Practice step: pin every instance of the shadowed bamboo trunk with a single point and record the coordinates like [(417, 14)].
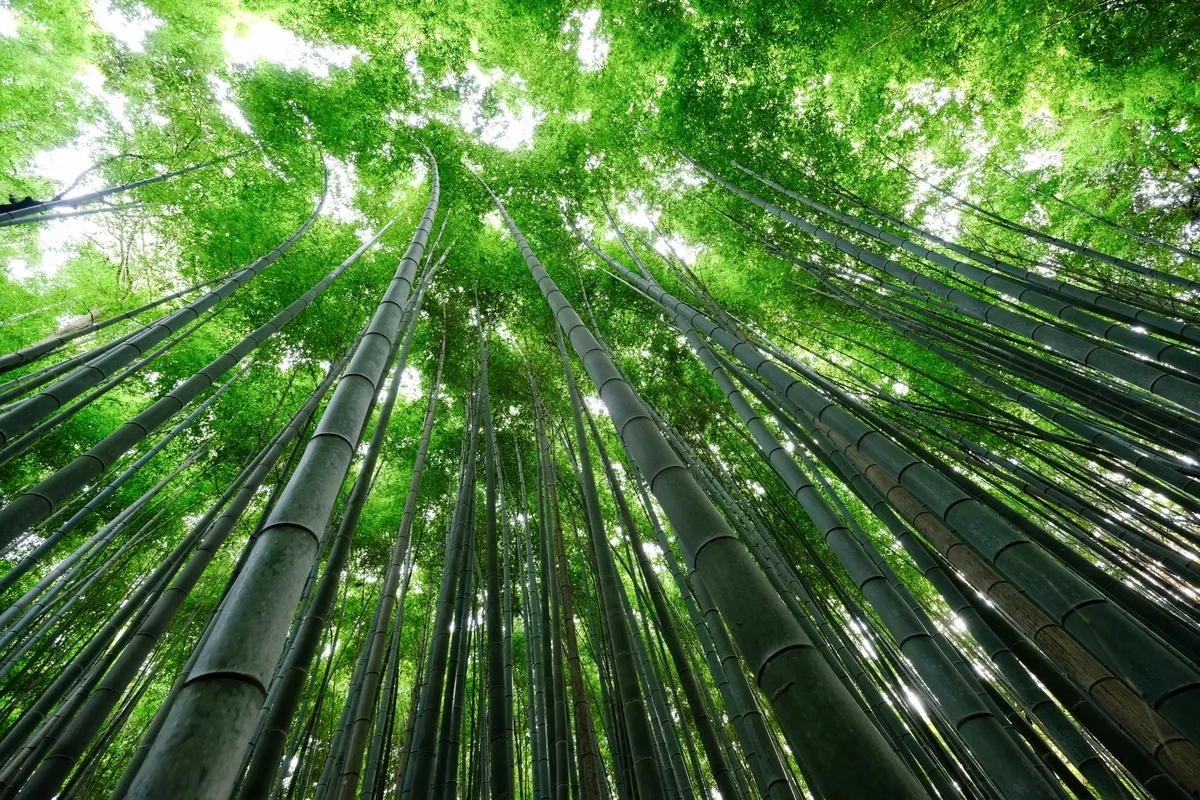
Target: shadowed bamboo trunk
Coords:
[(531, 615), (954, 514), (86, 723), (1006, 764), (549, 622), (760, 753), (498, 758), (419, 773), (645, 763), (32, 506), (35, 352), (1136, 341), (103, 368), (21, 444), (36, 554), (826, 729), (272, 735), (1104, 258), (365, 713), (220, 704), (445, 772), (700, 714)]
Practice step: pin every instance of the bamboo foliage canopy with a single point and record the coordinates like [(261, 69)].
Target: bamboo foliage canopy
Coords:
[(599, 402)]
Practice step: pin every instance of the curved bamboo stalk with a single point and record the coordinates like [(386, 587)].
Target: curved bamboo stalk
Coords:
[(806, 695), (1138, 342), (1104, 258), (644, 762), (722, 774), (949, 514), (229, 682), (103, 368), (1069, 345), (35, 352), (10, 217), (30, 507), (71, 743), (361, 722), (20, 445)]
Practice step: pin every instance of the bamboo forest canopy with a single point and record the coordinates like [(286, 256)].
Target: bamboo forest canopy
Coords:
[(599, 401)]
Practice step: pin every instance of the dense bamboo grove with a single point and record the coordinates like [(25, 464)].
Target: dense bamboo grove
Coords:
[(658, 400)]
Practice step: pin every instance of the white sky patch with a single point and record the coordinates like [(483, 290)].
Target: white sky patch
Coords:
[(112, 235), (678, 178), (63, 165), (1190, 232), (929, 96), (1036, 216), (1042, 118), (511, 132), (249, 39), (918, 102), (580, 116), (221, 90), (58, 241), (687, 253), (1160, 193), (8, 21), (1034, 160), (343, 186), (112, 102), (583, 223), (493, 220), (941, 216), (596, 406), (506, 335), (413, 64), (290, 359), (512, 126), (802, 98), (635, 212), (592, 49), (18, 269), (63, 320), (410, 385), (129, 27), (420, 170)]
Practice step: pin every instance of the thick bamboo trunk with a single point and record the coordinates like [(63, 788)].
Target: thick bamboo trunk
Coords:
[(803, 691), (1086, 612), (106, 366), (699, 709), (32, 506), (646, 765), (220, 704), (498, 758), (80, 731)]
